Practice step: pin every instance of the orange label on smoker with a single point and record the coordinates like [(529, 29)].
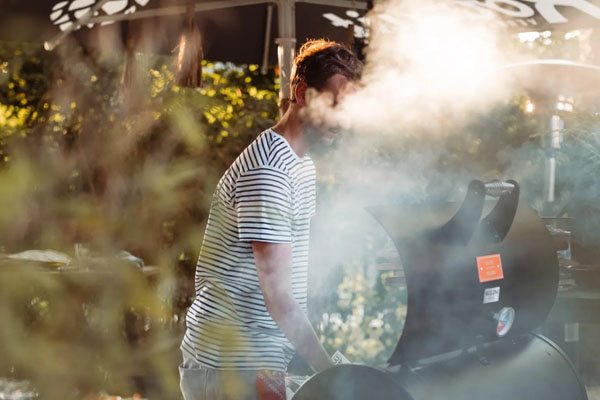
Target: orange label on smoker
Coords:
[(489, 268)]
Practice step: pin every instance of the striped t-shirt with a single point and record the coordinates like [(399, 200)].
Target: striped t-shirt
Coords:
[(267, 195)]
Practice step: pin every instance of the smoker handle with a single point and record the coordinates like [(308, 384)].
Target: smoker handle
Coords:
[(498, 188), (495, 226)]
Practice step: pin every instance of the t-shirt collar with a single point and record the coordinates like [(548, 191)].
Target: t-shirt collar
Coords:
[(297, 157)]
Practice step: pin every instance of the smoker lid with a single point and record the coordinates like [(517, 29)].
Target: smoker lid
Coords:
[(462, 270)]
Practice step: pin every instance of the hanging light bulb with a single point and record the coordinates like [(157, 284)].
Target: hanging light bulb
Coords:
[(529, 107)]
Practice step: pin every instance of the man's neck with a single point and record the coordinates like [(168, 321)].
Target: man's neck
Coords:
[(290, 127)]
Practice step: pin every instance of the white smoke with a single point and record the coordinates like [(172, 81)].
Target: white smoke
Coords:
[(430, 67), (426, 61)]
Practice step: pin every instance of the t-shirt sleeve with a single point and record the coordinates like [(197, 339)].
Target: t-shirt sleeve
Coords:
[(264, 206)]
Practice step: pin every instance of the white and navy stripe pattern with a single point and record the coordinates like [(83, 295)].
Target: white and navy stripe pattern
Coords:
[(267, 195)]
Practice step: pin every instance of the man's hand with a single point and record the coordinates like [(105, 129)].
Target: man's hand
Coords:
[(274, 267)]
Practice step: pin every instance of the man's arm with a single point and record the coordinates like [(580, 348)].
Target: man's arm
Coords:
[(274, 267)]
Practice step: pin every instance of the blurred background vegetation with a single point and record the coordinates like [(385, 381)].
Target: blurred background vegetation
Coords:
[(84, 162), (91, 168)]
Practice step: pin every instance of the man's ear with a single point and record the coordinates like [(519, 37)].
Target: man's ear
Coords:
[(300, 93)]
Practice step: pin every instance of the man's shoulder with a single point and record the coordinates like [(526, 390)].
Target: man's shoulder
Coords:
[(259, 156), (267, 151)]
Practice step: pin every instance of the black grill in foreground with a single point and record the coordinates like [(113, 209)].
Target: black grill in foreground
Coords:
[(480, 280)]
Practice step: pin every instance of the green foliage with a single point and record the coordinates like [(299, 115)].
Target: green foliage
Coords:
[(578, 183), (83, 140), (88, 160), (367, 318)]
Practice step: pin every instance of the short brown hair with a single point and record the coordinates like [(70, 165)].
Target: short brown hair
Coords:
[(320, 59)]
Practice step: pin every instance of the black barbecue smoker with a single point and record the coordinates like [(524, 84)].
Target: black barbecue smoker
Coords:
[(480, 280)]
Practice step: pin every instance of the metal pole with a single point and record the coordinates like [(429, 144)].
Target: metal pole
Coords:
[(286, 47), (556, 125), (266, 49)]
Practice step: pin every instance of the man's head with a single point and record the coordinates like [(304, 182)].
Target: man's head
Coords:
[(323, 67), (317, 61)]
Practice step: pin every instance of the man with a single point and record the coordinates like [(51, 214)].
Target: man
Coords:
[(251, 277)]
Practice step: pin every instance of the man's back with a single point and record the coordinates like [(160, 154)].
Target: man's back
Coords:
[(267, 195)]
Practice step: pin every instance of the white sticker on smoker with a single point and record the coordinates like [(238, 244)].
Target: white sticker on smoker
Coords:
[(491, 295)]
